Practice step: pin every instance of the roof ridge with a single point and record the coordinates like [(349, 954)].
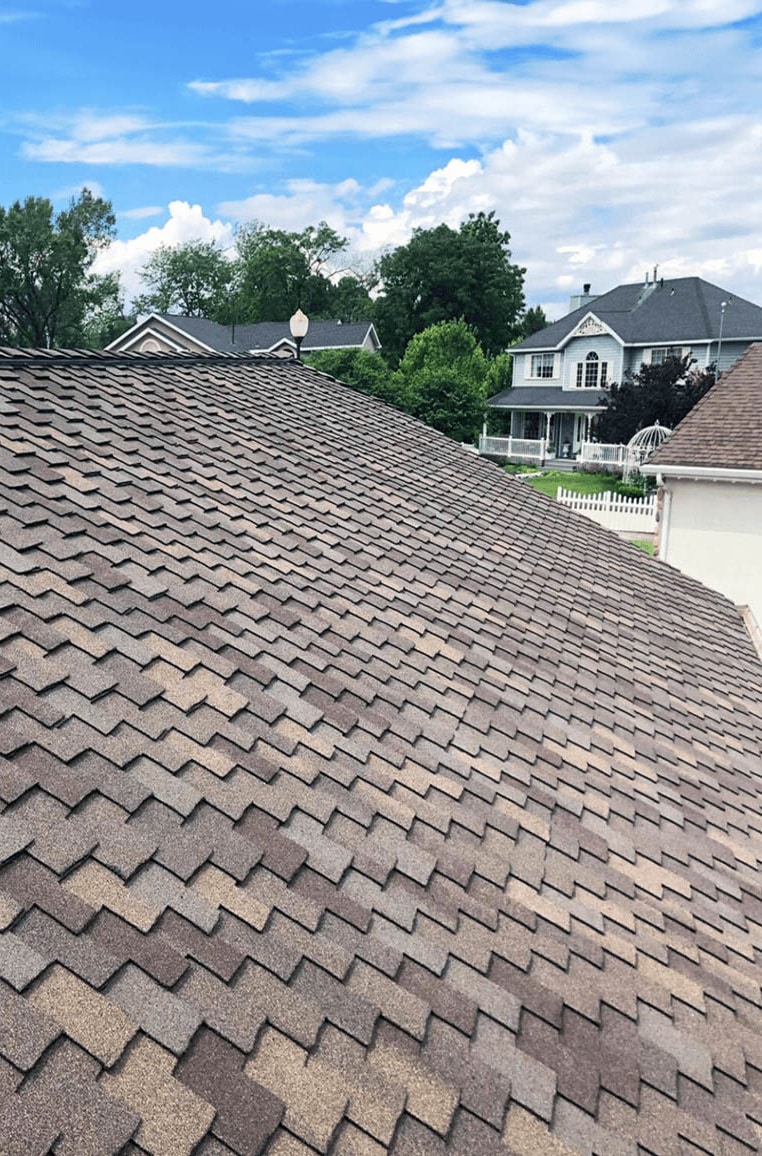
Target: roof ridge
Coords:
[(22, 357)]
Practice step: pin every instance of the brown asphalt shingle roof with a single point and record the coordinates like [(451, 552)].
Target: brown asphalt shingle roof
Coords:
[(725, 429), (355, 797)]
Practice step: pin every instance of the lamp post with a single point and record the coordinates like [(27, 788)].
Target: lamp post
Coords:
[(299, 324), (723, 307)]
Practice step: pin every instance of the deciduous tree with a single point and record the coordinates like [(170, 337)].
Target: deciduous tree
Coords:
[(365, 371), (280, 272), (193, 280), (48, 293), (444, 274), (443, 379), (663, 393)]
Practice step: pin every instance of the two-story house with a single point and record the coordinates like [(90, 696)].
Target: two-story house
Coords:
[(561, 373)]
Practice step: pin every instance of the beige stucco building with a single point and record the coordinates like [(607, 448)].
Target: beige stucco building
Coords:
[(710, 473)]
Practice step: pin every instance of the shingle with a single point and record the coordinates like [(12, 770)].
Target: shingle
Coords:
[(64, 1101), (732, 406), (246, 1113), (168, 1020), (315, 1094), (173, 1119), (19, 964), (373, 802), (25, 1032)]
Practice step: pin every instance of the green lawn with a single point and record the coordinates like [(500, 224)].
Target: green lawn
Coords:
[(581, 483), (646, 547)]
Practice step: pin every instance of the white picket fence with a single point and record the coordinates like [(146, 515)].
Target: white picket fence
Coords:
[(626, 515)]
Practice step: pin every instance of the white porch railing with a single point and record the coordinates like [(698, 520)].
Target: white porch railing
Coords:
[(526, 449), (602, 454), (630, 515)]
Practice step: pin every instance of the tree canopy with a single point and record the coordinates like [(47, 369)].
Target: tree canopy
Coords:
[(443, 377), (48, 293), (663, 393), (280, 272), (444, 274), (271, 274), (363, 370), (194, 280)]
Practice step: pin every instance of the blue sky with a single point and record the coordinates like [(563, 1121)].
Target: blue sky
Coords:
[(607, 137)]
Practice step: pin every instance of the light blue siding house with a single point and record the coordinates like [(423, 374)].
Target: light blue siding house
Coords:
[(561, 373)]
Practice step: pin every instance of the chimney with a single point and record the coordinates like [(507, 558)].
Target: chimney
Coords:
[(584, 298)]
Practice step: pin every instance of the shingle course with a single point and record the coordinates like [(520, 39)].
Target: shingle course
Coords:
[(724, 430), (354, 797)]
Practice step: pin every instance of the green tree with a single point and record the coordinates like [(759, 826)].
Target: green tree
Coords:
[(443, 376), (107, 319), (280, 272), (193, 280), (365, 371), (499, 374), (48, 293), (350, 300), (663, 393), (532, 322), (443, 274)]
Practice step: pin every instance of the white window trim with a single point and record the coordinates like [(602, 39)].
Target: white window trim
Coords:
[(528, 359), (680, 351)]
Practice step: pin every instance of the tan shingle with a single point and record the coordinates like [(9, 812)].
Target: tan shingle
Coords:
[(724, 430), (354, 797)]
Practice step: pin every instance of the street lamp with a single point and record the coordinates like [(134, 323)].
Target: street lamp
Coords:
[(299, 324), (723, 307)]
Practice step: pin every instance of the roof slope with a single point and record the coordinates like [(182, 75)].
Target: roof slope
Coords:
[(542, 396), (725, 429), (681, 309), (265, 334), (356, 797)]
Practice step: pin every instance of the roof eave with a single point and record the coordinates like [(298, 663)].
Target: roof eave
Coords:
[(703, 473)]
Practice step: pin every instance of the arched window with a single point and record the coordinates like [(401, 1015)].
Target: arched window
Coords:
[(592, 373)]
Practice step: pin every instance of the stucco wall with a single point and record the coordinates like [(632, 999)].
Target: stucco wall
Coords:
[(713, 532)]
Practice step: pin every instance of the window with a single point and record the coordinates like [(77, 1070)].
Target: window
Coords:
[(592, 373), (660, 355), (543, 364)]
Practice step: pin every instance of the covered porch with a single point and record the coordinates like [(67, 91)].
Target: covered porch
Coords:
[(542, 423)]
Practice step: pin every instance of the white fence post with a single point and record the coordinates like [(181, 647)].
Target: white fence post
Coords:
[(628, 515)]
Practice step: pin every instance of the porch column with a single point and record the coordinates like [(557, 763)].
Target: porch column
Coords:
[(548, 417)]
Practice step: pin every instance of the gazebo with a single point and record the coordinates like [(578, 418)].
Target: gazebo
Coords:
[(640, 447)]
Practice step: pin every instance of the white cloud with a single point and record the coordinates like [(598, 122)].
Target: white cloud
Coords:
[(607, 137), (185, 223), (580, 211), (93, 138), (140, 213), (73, 191)]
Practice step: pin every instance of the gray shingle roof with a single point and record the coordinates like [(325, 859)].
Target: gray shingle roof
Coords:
[(679, 310), (355, 797), (725, 429), (265, 334), (546, 397)]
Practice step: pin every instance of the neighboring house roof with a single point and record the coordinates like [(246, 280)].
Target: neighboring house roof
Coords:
[(357, 798), (675, 311), (265, 335), (724, 430), (547, 397)]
